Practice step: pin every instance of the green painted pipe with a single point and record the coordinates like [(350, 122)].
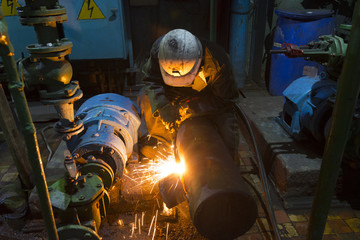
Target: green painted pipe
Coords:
[(213, 20), (346, 98), (16, 88)]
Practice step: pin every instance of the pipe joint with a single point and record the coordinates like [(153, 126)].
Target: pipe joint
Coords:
[(18, 87)]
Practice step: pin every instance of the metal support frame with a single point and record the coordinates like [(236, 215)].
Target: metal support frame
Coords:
[(347, 96), (16, 88)]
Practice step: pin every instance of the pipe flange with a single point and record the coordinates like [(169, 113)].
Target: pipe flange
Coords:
[(68, 95), (55, 56), (43, 15), (59, 46), (100, 168), (27, 12), (69, 130), (42, 20), (77, 232)]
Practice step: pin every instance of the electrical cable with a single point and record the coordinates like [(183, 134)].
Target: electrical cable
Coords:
[(260, 165), (46, 143)]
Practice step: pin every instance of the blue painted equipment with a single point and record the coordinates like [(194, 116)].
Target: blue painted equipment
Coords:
[(297, 28), (102, 38), (306, 107), (110, 122), (238, 38), (98, 155), (309, 101)]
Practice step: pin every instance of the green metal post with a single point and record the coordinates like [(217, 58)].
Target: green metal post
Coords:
[(347, 95), (16, 88), (14, 142), (213, 19)]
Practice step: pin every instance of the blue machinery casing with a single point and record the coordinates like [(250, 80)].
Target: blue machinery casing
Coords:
[(111, 122), (307, 108), (93, 38), (98, 154)]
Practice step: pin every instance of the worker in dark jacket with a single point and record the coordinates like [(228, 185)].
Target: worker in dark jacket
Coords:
[(187, 78)]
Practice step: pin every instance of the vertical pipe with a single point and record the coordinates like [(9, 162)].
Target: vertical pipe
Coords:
[(257, 40), (16, 88), (213, 20), (347, 96), (238, 38)]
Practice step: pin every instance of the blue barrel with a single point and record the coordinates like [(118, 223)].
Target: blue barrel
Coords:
[(299, 28)]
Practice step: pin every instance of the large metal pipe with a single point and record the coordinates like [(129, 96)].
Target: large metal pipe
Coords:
[(220, 204), (16, 88), (347, 96)]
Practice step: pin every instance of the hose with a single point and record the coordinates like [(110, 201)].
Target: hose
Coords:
[(260, 165)]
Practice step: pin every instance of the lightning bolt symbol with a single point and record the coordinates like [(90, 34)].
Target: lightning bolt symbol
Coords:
[(10, 3), (90, 8)]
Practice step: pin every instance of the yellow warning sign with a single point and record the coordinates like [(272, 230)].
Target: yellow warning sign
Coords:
[(90, 10), (9, 7)]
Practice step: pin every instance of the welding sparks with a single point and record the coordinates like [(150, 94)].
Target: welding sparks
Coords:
[(155, 170), (142, 218), (132, 229), (156, 216), (166, 211), (139, 226), (167, 230), (120, 222), (152, 221)]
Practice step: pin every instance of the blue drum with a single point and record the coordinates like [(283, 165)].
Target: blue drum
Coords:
[(298, 28)]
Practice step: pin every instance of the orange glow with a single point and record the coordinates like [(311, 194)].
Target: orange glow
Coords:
[(3, 40), (166, 168), (63, 79), (167, 211), (150, 173)]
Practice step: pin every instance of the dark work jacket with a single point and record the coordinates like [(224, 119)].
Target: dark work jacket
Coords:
[(218, 96)]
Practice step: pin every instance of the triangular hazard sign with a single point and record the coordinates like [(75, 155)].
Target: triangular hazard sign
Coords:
[(9, 7), (90, 10)]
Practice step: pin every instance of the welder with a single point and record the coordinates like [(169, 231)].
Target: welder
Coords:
[(186, 77), (188, 102)]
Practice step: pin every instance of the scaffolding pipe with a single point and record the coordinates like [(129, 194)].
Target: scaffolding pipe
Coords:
[(347, 96), (14, 142), (16, 88)]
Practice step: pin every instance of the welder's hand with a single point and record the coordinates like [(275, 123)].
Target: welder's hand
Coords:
[(168, 115)]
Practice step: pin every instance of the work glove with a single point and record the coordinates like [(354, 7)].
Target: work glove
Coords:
[(169, 114)]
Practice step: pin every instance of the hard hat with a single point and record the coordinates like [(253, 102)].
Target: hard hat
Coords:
[(180, 54)]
